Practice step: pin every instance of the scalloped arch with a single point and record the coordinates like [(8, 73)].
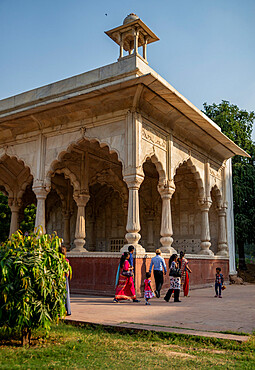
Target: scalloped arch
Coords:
[(7, 188), (194, 170), (217, 192), (20, 159), (68, 175), (102, 143), (159, 167), (24, 186), (60, 194)]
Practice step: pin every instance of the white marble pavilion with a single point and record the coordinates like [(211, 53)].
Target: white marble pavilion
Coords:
[(116, 156)]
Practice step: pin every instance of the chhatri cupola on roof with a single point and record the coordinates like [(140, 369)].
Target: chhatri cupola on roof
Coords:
[(132, 34)]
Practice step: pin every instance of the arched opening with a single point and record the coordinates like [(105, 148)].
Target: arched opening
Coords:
[(186, 214), (28, 210), (5, 215), (150, 207), (105, 219), (213, 218), (89, 168), (15, 179)]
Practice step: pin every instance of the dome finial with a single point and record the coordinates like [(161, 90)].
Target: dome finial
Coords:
[(130, 18)]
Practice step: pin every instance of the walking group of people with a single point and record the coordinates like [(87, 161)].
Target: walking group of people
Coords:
[(178, 272), (179, 269)]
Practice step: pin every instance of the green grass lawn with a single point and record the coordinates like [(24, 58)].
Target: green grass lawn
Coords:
[(85, 347)]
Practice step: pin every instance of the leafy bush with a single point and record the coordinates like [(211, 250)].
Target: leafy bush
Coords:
[(33, 283)]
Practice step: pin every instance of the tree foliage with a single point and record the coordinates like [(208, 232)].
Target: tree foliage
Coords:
[(237, 124), (28, 222), (26, 225), (32, 282), (5, 218)]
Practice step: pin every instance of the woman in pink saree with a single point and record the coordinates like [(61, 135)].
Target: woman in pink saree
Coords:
[(125, 288), (185, 270)]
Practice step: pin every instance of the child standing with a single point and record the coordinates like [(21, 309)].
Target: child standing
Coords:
[(219, 280), (148, 293)]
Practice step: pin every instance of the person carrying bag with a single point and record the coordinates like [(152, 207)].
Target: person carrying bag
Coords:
[(175, 279)]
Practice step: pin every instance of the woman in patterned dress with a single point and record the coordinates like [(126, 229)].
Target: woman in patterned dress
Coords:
[(175, 282), (185, 270)]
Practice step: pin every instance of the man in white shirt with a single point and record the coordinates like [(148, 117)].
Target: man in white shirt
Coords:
[(159, 265)]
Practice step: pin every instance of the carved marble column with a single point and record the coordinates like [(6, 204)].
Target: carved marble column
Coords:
[(80, 233), (166, 192), (222, 236), (205, 244), (15, 207), (41, 195), (133, 218), (66, 216)]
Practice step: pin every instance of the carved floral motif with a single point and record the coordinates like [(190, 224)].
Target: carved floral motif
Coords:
[(216, 174), (153, 136)]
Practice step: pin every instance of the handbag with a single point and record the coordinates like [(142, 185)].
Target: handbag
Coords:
[(175, 272), (223, 287), (127, 273)]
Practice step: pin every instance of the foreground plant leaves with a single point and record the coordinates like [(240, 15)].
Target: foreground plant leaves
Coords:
[(32, 282)]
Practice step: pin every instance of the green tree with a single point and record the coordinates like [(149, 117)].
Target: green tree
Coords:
[(32, 283), (28, 223), (5, 218), (237, 124)]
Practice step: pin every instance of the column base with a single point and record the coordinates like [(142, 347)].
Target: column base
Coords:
[(169, 249), (166, 242), (223, 252), (138, 248), (133, 238), (79, 243), (206, 252), (205, 249)]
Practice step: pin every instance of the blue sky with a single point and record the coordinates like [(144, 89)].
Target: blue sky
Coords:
[(206, 48)]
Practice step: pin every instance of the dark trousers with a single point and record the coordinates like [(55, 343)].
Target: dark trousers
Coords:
[(176, 295), (158, 276), (218, 285), (170, 292)]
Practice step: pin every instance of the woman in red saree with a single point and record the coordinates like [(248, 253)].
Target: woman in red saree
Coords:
[(183, 263), (125, 288)]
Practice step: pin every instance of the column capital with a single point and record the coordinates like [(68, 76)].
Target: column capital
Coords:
[(133, 181), (81, 199), (222, 208), (40, 191), (14, 204), (204, 204), (166, 190)]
